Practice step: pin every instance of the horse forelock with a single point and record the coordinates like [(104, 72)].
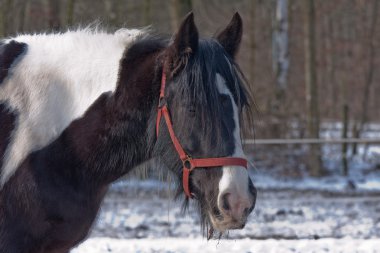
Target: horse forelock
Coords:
[(55, 82), (196, 86)]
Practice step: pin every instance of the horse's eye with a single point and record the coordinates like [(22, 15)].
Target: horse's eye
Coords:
[(192, 110)]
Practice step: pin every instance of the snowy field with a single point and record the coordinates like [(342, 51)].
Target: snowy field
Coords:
[(181, 245), (137, 219), (294, 213)]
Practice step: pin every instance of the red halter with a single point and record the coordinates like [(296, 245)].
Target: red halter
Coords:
[(189, 163)]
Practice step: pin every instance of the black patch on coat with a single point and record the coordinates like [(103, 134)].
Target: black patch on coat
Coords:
[(7, 124), (9, 52)]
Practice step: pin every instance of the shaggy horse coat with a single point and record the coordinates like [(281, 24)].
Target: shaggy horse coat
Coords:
[(78, 110)]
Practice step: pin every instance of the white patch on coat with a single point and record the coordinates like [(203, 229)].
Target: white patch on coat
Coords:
[(55, 82), (234, 178)]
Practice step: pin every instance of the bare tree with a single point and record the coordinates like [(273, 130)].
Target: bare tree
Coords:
[(22, 15), (111, 14), (70, 12), (280, 44), (178, 9), (53, 10), (5, 5), (315, 163), (331, 56), (252, 45), (280, 63), (345, 57), (364, 112), (349, 33), (147, 12)]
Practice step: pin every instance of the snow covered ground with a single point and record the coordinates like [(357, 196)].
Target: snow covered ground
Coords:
[(294, 212), (182, 245), (136, 219)]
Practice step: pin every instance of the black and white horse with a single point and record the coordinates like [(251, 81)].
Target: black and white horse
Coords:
[(78, 110)]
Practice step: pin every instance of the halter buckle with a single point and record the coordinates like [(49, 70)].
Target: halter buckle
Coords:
[(187, 163), (161, 102)]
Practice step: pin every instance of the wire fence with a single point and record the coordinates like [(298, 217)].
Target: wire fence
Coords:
[(311, 141), (291, 156)]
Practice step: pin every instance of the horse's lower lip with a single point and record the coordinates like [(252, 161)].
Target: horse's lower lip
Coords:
[(237, 226), (226, 224), (233, 226)]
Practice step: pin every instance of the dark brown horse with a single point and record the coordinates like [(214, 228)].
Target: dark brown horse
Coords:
[(70, 126)]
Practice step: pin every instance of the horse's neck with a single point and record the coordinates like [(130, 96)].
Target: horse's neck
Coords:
[(115, 134), (54, 82), (108, 141)]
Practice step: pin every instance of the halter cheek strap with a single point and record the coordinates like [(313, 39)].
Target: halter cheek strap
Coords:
[(189, 164)]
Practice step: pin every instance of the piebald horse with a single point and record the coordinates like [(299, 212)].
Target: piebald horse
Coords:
[(80, 109)]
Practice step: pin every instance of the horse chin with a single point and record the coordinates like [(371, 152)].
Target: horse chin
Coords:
[(225, 224)]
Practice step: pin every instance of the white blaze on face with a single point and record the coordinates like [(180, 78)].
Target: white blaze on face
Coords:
[(235, 178)]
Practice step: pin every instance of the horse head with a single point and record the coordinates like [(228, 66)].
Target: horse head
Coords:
[(198, 131)]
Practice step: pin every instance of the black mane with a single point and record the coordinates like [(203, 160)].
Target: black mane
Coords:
[(196, 85)]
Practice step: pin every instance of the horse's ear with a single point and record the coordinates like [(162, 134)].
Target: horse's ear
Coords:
[(230, 37), (185, 42)]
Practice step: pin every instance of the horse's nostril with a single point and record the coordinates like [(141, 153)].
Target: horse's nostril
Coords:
[(247, 211), (217, 213), (226, 205)]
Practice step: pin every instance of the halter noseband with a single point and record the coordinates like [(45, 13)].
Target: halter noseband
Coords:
[(189, 163)]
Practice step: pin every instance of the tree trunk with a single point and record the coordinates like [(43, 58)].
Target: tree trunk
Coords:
[(355, 134), (331, 64), (344, 136), (252, 44), (112, 15), (280, 64), (147, 12), (70, 13), (370, 73), (315, 163), (5, 11), (178, 9), (54, 20), (22, 18), (280, 48)]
